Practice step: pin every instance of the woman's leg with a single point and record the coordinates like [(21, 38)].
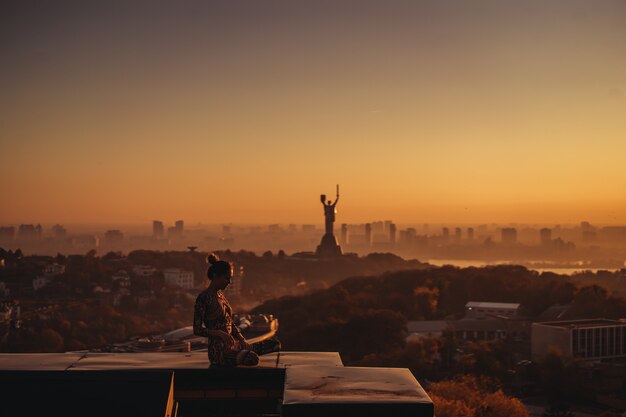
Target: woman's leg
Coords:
[(266, 346)]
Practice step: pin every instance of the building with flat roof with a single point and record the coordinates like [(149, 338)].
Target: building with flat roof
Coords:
[(289, 384), (483, 309), (591, 339)]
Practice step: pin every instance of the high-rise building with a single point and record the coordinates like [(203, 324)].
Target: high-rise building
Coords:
[(545, 236), (470, 233), (392, 233), (27, 232), (158, 230), (457, 233), (388, 226), (180, 226), (378, 227), (445, 232), (345, 234), (509, 235), (368, 234), (113, 237), (59, 231)]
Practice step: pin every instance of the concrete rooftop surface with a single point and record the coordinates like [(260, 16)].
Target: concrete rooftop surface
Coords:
[(170, 384)]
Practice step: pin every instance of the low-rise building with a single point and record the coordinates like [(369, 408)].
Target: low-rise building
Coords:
[(175, 276), (144, 270), (53, 270), (121, 278), (40, 282), (502, 328), (482, 309), (591, 339)]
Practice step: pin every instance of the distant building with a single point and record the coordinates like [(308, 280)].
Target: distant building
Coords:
[(121, 279), (378, 226), (59, 231), (445, 232), (613, 233), (590, 236), (388, 224), (586, 226), (235, 287), (470, 233), (368, 234), (175, 276), (392, 233), (345, 234), (274, 228), (475, 329), (308, 228), (158, 230), (53, 270), (423, 328), (591, 339), (40, 282), (481, 309), (85, 242), (113, 237), (176, 232), (472, 329), (457, 233), (545, 236), (7, 233), (28, 232), (509, 235), (144, 270)]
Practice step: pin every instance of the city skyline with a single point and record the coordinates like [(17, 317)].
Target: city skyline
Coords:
[(425, 111)]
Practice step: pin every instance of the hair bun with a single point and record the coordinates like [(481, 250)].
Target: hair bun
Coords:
[(212, 259)]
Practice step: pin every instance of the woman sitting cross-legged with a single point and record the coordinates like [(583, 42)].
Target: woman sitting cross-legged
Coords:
[(213, 319)]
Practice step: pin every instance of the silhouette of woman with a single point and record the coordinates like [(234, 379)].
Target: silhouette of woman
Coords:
[(213, 319)]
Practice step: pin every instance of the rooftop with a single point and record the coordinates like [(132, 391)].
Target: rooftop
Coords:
[(284, 384), (486, 304), (583, 323)]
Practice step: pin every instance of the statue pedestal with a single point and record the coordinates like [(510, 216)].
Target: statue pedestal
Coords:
[(328, 247)]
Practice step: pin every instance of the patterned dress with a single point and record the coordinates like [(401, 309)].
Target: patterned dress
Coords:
[(213, 312)]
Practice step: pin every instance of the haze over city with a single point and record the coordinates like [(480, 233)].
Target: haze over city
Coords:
[(244, 112)]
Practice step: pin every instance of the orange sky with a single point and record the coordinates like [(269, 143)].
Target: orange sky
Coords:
[(423, 111)]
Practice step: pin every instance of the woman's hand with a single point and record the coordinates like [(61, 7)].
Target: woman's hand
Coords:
[(228, 340)]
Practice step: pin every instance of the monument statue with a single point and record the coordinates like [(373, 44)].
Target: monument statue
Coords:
[(328, 247), (330, 211)]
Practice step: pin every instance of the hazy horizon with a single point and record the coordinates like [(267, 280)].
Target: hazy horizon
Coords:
[(245, 112)]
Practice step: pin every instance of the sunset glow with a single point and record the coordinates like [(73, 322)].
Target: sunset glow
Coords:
[(423, 111)]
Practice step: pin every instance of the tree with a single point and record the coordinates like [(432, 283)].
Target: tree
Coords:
[(469, 396)]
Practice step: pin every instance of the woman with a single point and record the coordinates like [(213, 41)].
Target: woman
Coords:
[(213, 319)]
